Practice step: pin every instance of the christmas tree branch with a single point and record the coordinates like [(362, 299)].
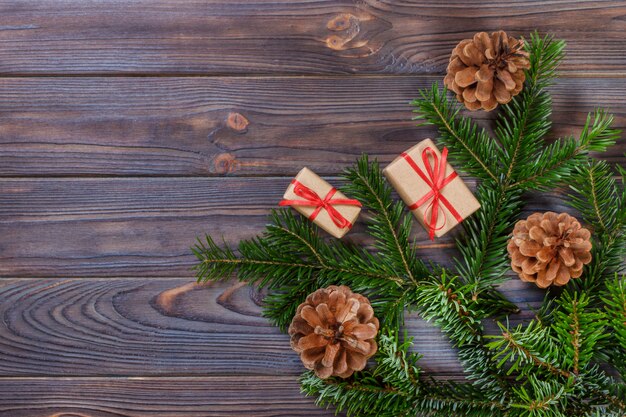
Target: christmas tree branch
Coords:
[(522, 347), (447, 304), (389, 225), (614, 298), (546, 398), (615, 401), (471, 145), (394, 388), (557, 160), (593, 182), (211, 263), (483, 260), (524, 121), (579, 329), (292, 260)]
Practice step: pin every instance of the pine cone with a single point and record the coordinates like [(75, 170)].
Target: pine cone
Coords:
[(487, 70), (334, 332), (549, 248)]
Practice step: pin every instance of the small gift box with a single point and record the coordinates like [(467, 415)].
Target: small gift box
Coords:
[(321, 203), (431, 188)]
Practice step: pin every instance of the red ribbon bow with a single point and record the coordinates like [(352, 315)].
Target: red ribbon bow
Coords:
[(436, 180), (312, 199)]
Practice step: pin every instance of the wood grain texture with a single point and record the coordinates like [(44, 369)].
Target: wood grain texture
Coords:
[(284, 36), (150, 397), (170, 327), (235, 126), (139, 108), (143, 227)]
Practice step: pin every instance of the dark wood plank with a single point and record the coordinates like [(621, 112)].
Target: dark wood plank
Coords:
[(168, 327), (162, 397), (144, 226), (234, 126), (278, 36)]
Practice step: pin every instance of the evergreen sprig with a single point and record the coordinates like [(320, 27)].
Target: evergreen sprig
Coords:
[(390, 225), (292, 260), (396, 388), (553, 365), (614, 298), (597, 196)]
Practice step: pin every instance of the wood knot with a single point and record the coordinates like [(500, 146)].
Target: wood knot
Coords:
[(166, 300), (335, 42), (237, 122), (356, 34), (342, 21), (225, 163)]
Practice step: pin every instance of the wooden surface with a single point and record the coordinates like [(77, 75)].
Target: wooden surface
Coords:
[(129, 127), (286, 36)]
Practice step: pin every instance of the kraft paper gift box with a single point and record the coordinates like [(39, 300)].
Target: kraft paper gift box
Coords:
[(316, 199), (416, 173)]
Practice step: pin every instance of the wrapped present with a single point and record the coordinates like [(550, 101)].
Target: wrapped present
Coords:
[(321, 203), (431, 188)]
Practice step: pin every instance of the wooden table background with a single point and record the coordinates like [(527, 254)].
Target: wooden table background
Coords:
[(128, 127)]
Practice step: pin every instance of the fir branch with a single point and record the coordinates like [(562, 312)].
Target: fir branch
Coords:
[(364, 396), (469, 145), (389, 225), (218, 263), (390, 390), (526, 348), (546, 398), (279, 305), (593, 182), (616, 402), (555, 162), (546, 54), (446, 302), (484, 261), (525, 120), (396, 365), (367, 396), (292, 260), (615, 306), (616, 397), (578, 329), (444, 400), (614, 298), (394, 389)]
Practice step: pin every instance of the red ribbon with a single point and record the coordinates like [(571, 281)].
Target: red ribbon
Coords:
[(436, 180), (312, 199)]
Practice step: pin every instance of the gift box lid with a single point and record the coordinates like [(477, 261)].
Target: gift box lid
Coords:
[(311, 180), (411, 187)]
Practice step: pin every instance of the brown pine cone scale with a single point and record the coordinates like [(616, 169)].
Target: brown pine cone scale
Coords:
[(334, 332), (487, 70), (549, 249)]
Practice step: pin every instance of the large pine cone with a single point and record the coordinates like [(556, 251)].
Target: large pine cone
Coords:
[(487, 70), (549, 249), (334, 332)]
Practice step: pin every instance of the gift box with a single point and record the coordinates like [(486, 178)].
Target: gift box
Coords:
[(431, 188), (321, 203)]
